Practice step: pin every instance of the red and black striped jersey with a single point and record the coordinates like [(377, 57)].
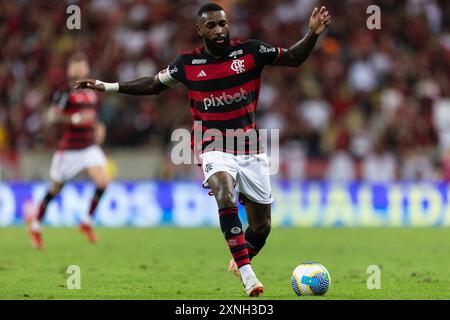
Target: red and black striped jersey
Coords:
[(76, 136), (223, 94)]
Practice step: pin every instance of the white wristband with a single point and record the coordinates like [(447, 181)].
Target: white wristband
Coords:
[(109, 87)]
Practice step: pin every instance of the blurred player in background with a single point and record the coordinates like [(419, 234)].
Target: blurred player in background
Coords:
[(223, 79), (78, 148)]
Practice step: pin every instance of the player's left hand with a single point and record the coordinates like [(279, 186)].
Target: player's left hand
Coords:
[(319, 20)]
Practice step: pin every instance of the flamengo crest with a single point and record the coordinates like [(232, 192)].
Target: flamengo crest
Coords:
[(238, 65)]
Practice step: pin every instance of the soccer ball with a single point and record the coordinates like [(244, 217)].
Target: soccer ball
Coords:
[(310, 279)]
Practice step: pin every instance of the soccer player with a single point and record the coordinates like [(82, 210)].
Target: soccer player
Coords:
[(78, 148), (223, 79)]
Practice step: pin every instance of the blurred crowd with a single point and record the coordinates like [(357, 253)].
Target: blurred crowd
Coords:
[(368, 104)]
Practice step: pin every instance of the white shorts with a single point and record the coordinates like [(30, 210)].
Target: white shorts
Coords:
[(68, 163), (251, 173)]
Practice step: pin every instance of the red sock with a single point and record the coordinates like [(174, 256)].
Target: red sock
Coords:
[(234, 235)]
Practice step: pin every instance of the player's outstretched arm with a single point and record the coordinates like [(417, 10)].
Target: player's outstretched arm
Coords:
[(139, 87), (299, 52)]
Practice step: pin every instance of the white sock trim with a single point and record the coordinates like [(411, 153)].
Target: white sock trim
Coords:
[(87, 219), (35, 225), (246, 271)]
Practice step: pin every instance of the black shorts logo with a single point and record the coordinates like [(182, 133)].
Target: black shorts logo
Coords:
[(208, 167)]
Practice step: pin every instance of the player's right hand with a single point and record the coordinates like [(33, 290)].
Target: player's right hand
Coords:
[(90, 84)]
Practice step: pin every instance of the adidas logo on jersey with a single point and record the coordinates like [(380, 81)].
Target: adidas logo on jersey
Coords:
[(201, 74)]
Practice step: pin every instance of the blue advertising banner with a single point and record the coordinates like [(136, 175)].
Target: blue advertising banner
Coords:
[(187, 204)]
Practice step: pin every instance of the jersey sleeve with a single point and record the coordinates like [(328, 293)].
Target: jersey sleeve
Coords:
[(265, 54), (59, 99), (174, 73)]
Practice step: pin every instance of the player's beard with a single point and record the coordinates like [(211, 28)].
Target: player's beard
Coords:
[(218, 49)]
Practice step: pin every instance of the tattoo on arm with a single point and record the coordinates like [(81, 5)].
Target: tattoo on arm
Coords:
[(142, 86), (299, 52)]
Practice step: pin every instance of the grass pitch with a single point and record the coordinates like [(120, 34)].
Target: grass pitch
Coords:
[(170, 263)]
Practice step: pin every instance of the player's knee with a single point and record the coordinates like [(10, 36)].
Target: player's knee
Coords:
[(103, 183), (101, 186), (263, 228), (55, 189), (225, 199)]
